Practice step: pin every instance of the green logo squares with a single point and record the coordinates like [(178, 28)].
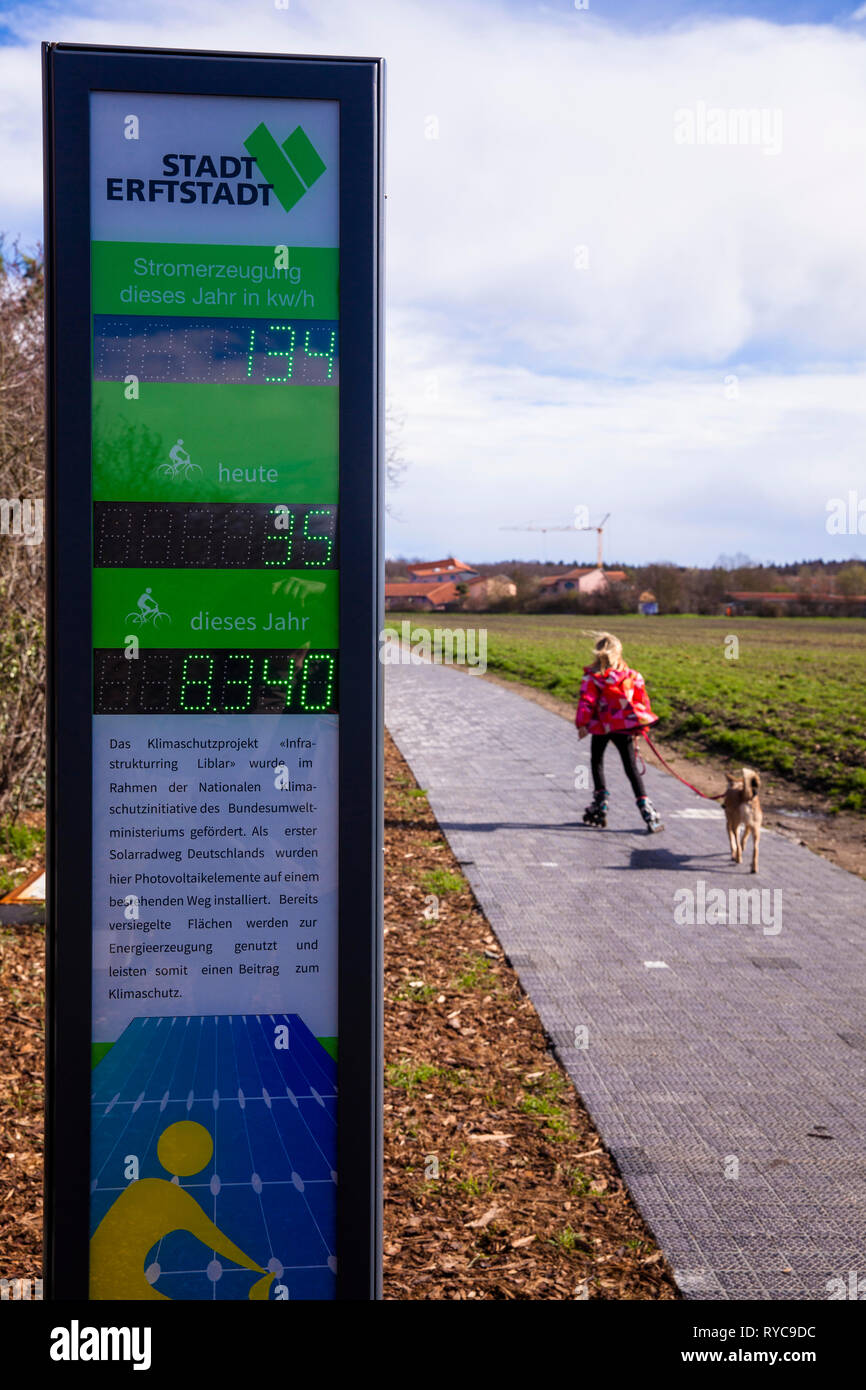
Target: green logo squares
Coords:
[(292, 168)]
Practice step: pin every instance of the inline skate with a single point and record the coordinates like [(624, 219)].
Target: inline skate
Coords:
[(650, 814), (596, 811)]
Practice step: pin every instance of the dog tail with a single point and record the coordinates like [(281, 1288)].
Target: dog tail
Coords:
[(751, 783)]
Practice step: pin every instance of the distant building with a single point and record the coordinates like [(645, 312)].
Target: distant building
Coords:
[(430, 598), (588, 579), (435, 571), (462, 587), (487, 589), (647, 603)]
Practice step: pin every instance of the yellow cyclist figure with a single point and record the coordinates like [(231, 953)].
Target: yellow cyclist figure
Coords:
[(150, 1209)]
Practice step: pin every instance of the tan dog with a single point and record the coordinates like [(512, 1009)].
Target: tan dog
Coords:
[(742, 808)]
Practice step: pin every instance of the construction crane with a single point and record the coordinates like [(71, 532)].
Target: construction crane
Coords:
[(537, 526), (600, 531)]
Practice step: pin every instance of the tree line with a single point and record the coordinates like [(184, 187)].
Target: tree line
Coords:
[(22, 554), (817, 585)]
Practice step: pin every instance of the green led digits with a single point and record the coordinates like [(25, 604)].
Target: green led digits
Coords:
[(281, 532), (214, 535), (188, 680), (328, 351), (314, 536), (325, 679), (288, 353), (232, 357), (217, 681), (285, 681), (244, 681)]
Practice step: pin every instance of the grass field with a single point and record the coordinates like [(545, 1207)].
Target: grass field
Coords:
[(793, 701)]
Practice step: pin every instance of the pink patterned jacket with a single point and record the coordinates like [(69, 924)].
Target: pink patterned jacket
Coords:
[(613, 701)]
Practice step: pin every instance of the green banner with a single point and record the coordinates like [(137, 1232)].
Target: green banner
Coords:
[(140, 277), (215, 608), (243, 443)]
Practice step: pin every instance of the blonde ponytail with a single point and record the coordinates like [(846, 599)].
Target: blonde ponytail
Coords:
[(607, 649)]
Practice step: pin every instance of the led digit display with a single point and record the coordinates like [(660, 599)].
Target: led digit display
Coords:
[(214, 535), (218, 681), (296, 352)]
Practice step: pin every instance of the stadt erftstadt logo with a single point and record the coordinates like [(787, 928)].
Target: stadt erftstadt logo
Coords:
[(289, 170)]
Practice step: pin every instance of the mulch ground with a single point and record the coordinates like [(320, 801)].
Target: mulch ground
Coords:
[(22, 1014), (497, 1185)]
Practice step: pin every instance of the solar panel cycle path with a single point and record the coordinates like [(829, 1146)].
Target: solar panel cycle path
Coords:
[(723, 1061), (272, 1118)]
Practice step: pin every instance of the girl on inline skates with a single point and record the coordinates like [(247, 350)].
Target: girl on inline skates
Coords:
[(613, 706)]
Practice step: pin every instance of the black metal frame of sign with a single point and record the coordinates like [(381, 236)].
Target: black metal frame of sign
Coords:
[(71, 73)]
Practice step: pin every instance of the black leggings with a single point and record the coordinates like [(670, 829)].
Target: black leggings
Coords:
[(625, 744)]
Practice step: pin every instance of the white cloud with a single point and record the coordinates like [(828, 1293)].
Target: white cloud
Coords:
[(687, 470), (555, 131)]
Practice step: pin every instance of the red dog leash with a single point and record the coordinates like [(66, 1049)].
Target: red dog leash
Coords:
[(668, 768)]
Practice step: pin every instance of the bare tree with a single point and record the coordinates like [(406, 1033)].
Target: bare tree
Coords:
[(395, 461), (851, 580), (22, 553)]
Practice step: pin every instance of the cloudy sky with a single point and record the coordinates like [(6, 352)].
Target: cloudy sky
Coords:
[(605, 289)]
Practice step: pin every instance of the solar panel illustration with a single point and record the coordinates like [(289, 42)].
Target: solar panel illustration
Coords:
[(262, 1088)]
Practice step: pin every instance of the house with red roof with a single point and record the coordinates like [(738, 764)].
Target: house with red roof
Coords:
[(403, 594), (586, 579), (435, 571), (439, 586)]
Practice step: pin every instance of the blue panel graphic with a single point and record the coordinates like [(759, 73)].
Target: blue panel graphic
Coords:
[(264, 1090)]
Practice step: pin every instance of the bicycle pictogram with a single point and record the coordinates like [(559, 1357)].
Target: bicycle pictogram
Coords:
[(179, 463), (148, 611)]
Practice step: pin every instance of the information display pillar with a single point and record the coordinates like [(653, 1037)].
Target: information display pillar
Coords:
[(213, 255)]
